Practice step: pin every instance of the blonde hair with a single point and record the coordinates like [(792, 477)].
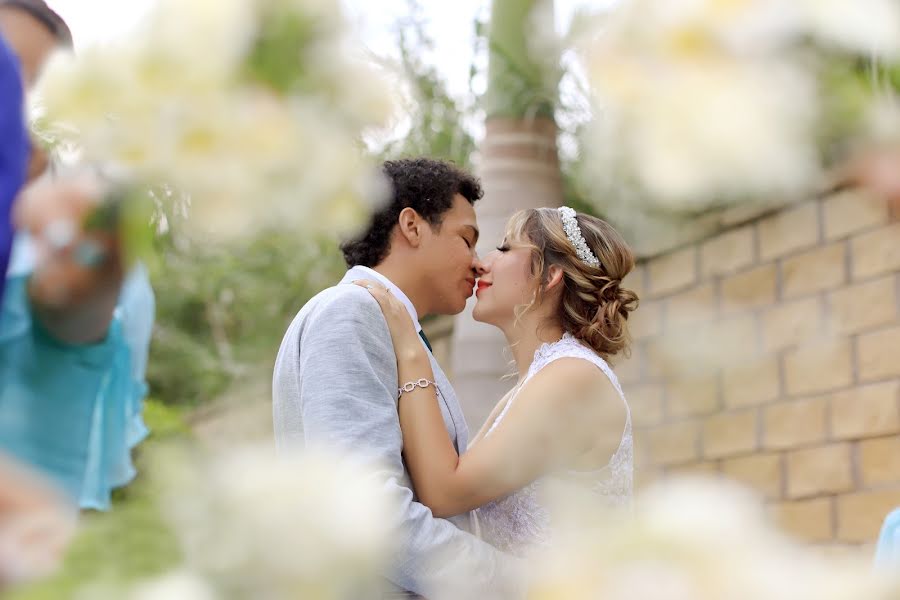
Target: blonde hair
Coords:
[(594, 306)]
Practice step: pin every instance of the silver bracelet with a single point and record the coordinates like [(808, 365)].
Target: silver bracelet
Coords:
[(412, 385)]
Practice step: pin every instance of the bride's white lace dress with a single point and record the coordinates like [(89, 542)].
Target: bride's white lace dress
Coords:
[(519, 522)]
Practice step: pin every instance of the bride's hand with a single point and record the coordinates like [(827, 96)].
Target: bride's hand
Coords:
[(406, 339)]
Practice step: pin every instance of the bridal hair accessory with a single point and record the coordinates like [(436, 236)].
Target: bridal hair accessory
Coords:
[(573, 232), (411, 385)]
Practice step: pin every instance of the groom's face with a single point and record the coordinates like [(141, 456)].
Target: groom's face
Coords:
[(449, 262)]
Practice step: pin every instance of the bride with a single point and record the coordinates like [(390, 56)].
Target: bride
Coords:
[(554, 287)]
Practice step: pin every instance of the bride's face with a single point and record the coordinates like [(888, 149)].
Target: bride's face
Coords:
[(507, 282)]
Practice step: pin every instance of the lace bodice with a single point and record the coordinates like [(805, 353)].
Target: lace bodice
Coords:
[(519, 521)]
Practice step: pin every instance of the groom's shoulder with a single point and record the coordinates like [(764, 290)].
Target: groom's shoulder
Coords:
[(344, 294), (343, 301)]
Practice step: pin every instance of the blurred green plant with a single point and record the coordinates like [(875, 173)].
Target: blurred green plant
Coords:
[(222, 309), (848, 89), (437, 120)]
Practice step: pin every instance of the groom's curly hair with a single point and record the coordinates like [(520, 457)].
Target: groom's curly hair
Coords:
[(423, 184)]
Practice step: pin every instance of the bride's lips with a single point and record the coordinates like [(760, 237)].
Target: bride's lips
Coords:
[(482, 285)]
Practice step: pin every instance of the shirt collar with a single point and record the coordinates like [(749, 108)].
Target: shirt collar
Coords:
[(361, 272)]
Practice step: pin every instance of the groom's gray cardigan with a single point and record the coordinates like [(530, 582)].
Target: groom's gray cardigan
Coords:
[(335, 384)]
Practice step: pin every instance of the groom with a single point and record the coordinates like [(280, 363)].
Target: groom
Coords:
[(335, 380)]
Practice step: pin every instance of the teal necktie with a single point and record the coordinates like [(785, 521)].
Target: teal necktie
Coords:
[(425, 339)]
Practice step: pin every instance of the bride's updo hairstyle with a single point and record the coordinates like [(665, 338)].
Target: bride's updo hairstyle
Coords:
[(594, 306)]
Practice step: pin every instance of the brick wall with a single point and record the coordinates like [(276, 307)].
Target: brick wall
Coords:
[(770, 354)]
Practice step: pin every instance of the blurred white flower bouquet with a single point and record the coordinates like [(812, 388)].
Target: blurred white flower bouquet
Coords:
[(710, 101), (254, 524), (693, 539), (253, 108)]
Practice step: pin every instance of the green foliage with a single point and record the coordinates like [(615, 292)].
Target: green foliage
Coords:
[(848, 87), (437, 119), (222, 310), (276, 57), (166, 423), (521, 83)]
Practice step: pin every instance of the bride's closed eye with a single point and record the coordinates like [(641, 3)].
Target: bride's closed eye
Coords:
[(504, 247)]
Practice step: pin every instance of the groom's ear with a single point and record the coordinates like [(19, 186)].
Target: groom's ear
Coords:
[(410, 224)]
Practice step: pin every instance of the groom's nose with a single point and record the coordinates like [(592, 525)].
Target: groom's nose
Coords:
[(478, 266)]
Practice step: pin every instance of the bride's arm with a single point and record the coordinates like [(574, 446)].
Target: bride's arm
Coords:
[(549, 425), (544, 429), (495, 412)]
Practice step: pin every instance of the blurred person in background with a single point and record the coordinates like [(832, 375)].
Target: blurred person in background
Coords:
[(33, 32), (75, 324), (36, 521), (13, 145)]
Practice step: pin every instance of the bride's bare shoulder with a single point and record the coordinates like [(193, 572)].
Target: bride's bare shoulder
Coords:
[(578, 385), (574, 373)]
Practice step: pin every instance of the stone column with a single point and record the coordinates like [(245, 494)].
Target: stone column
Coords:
[(519, 169)]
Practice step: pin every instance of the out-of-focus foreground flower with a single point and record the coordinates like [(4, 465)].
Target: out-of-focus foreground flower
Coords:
[(255, 521), (709, 101), (256, 525), (252, 107), (692, 539)]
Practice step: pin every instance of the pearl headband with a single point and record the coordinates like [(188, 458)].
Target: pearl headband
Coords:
[(573, 232)]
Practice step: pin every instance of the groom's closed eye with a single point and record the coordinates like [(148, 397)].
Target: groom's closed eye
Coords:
[(471, 235)]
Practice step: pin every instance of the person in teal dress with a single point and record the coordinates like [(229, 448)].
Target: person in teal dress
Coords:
[(74, 339), (75, 322)]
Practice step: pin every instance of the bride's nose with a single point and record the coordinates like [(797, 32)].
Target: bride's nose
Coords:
[(480, 265), (488, 261)]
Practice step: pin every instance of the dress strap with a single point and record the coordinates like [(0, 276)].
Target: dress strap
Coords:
[(567, 347)]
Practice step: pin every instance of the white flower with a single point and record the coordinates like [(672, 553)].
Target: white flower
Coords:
[(256, 520), (678, 27), (867, 27), (179, 585), (692, 539), (255, 145), (711, 101), (209, 37), (689, 130)]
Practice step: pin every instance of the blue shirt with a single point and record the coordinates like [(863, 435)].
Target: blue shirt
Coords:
[(74, 411), (887, 553), (14, 148)]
